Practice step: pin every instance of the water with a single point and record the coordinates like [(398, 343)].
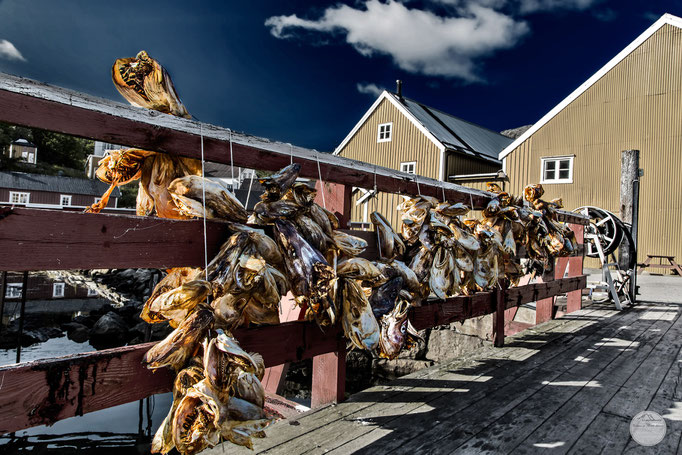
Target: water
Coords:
[(121, 429)]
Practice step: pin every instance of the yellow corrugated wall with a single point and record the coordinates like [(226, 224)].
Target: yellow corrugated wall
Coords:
[(636, 105), (407, 144)]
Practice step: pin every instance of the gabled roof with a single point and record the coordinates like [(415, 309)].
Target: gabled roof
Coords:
[(54, 184), (666, 19), (446, 131), (23, 142)]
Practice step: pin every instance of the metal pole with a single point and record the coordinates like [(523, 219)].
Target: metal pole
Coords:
[(3, 289), (24, 291), (635, 227)]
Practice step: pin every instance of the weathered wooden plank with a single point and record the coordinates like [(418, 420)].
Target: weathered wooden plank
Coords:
[(30, 103), (377, 408), (536, 291), (551, 391), (575, 416), (37, 239), (329, 377), (83, 383)]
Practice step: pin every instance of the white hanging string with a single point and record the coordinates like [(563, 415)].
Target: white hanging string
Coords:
[(319, 173), (417, 182), (248, 194), (376, 197), (203, 199), (471, 200), (231, 161), (443, 188), (291, 154)]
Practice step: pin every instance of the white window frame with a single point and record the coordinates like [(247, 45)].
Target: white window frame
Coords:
[(13, 290), (386, 134), (556, 160), (404, 167), (61, 200), (58, 290), (19, 194), (97, 199), (92, 292)]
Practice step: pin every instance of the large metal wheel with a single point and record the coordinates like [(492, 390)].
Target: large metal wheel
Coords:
[(607, 227)]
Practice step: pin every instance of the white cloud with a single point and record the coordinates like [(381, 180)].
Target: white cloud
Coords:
[(418, 41), (369, 89), (9, 52), (532, 6)]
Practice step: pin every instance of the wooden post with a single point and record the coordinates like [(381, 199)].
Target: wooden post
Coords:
[(329, 370), (498, 321), (274, 377), (3, 289), (629, 172), (329, 377), (575, 268), (24, 293), (544, 308)]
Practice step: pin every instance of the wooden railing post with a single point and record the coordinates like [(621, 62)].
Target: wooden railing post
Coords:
[(498, 321), (329, 370), (544, 308), (575, 268)]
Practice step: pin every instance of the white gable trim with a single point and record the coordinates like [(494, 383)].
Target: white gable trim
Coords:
[(665, 19), (386, 95)]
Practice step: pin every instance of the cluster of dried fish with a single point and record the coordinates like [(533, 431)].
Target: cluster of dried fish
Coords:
[(547, 237), (217, 391), (145, 83), (456, 256)]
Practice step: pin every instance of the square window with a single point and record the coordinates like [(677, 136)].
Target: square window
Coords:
[(13, 290), (58, 289), (410, 167), (16, 197), (92, 292), (384, 133), (65, 200), (557, 169)]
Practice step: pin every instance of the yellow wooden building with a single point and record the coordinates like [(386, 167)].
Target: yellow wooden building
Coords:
[(399, 133), (633, 102)]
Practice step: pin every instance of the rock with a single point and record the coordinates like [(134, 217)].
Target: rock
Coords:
[(52, 332), (448, 344), (79, 334), (87, 321), (29, 337), (392, 369), (110, 330)]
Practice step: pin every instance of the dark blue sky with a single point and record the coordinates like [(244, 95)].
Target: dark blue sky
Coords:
[(498, 63)]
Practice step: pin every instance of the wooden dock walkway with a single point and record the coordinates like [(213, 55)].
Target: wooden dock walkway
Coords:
[(571, 385)]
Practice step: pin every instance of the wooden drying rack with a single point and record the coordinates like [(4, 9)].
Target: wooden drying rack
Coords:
[(46, 391)]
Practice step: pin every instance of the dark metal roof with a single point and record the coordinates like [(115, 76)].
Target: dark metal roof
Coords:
[(23, 142), (54, 183), (456, 133)]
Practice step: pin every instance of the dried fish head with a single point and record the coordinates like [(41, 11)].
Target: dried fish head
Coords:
[(182, 342), (358, 268), (383, 298), (145, 83), (117, 168), (358, 321), (219, 200), (393, 332), (176, 304), (268, 211), (421, 264), (349, 245), (175, 277), (442, 277), (390, 244), (229, 310), (533, 192), (277, 184), (194, 426)]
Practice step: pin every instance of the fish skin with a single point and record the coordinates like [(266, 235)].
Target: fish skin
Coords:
[(358, 269), (220, 202), (180, 344), (278, 183), (176, 304), (393, 331), (390, 243), (358, 321), (349, 245), (384, 297)]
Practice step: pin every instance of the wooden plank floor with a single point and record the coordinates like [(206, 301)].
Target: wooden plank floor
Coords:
[(571, 385)]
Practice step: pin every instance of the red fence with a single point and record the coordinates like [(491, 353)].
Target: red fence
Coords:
[(46, 391)]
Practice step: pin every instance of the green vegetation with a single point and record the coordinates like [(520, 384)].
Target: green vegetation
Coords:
[(58, 154)]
